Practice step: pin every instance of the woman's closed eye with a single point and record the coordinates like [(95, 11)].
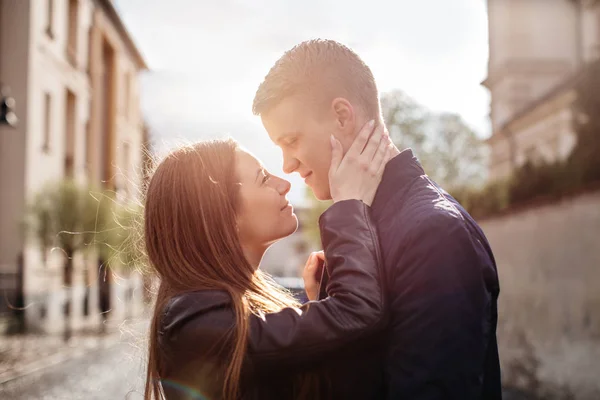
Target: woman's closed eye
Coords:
[(266, 177), (289, 142)]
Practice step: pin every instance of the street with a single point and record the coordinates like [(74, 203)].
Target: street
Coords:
[(113, 373)]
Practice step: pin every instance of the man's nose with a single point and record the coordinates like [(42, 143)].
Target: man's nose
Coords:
[(290, 164)]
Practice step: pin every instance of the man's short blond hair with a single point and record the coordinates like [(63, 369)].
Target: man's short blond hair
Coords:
[(321, 70)]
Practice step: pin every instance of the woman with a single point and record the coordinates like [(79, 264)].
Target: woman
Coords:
[(221, 328)]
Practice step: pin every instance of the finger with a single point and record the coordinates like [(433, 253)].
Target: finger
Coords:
[(320, 255), (380, 153), (309, 269), (314, 260), (373, 144), (336, 155), (361, 139), (311, 260)]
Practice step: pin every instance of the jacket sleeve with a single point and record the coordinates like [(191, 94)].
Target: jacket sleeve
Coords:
[(354, 308), (294, 337)]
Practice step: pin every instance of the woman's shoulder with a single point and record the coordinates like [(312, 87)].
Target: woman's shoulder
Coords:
[(197, 301), (198, 314)]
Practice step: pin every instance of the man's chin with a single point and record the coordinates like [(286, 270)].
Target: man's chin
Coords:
[(322, 195)]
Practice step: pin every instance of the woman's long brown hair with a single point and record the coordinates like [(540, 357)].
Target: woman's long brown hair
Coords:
[(192, 244)]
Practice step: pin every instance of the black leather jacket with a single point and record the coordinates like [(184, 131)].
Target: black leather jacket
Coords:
[(442, 287), (195, 327)]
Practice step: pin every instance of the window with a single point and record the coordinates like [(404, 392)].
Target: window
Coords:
[(73, 15), (70, 124), (50, 19), (47, 123), (127, 96), (88, 148), (90, 48)]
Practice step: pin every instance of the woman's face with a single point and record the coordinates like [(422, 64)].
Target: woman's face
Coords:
[(264, 215)]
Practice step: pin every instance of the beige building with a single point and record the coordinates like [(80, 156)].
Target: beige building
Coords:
[(537, 48), (72, 69)]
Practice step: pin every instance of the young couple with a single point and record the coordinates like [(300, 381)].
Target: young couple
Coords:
[(410, 308)]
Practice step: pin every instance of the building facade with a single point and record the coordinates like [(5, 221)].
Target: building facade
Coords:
[(72, 69), (536, 49)]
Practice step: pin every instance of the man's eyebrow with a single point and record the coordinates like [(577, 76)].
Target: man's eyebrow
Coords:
[(286, 135)]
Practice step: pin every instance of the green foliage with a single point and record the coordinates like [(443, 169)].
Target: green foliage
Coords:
[(74, 218), (311, 220), (449, 150), (480, 202), (531, 181), (123, 244), (406, 120), (65, 215)]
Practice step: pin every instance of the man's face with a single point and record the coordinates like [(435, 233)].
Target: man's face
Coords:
[(303, 137)]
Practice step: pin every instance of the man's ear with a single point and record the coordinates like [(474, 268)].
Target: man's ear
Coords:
[(345, 119)]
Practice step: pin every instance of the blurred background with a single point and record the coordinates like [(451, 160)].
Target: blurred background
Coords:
[(499, 99)]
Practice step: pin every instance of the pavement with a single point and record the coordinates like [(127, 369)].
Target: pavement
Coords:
[(91, 366), (112, 373), (21, 355), (25, 354)]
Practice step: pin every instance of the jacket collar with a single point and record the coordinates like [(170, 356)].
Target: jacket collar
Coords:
[(399, 172)]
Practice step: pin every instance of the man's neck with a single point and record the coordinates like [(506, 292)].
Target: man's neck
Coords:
[(393, 148)]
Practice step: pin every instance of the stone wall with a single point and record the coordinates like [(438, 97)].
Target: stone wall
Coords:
[(548, 260)]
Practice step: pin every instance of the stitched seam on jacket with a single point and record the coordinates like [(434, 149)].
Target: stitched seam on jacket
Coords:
[(348, 337), (366, 217), (378, 260)]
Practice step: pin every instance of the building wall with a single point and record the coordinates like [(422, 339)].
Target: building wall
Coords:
[(126, 124), (15, 53), (51, 73), (39, 64), (116, 119), (550, 139), (591, 32), (548, 261), (518, 32), (544, 134), (529, 57), (522, 83)]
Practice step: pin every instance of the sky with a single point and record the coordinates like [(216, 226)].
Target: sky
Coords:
[(207, 58)]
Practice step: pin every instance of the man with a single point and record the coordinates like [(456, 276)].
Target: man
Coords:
[(442, 283)]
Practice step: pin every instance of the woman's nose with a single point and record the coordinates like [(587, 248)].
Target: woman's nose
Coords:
[(283, 187)]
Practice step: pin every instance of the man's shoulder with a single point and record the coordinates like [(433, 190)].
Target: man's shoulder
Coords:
[(423, 208)]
